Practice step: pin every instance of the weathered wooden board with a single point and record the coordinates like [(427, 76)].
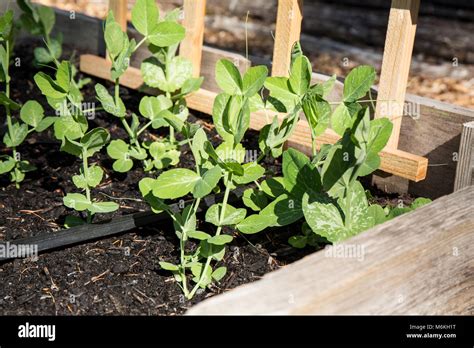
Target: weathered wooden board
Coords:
[(418, 263), (465, 168)]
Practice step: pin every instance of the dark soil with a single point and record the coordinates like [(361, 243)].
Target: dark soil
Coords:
[(118, 275)]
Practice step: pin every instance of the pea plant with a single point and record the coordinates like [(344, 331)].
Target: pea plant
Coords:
[(72, 129), (31, 113), (171, 75), (213, 167), (40, 20), (323, 189)]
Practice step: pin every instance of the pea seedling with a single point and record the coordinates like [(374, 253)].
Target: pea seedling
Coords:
[(324, 189), (231, 115), (71, 127), (31, 114), (40, 20), (170, 74)]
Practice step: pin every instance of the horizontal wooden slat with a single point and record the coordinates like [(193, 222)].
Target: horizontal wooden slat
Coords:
[(418, 263), (396, 162)]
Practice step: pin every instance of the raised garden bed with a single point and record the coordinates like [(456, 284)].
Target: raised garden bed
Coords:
[(123, 266)]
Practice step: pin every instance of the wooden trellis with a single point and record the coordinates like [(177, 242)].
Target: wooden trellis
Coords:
[(391, 91)]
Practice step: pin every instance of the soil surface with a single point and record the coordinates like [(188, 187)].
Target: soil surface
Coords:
[(118, 275)]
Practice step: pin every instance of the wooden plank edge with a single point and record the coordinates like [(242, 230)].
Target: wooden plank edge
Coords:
[(396, 162)]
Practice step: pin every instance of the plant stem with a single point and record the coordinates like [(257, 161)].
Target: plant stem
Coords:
[(124, 121), (218, 232), (128, 129), (139, 44), (192, 212), (144, 128), (7, 107), (85, 170)]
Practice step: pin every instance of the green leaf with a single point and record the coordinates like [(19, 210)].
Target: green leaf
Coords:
[(253, 224), (377, 214), (151, 107), (325, 88), (103, 207), (32, 113), (207, 182), (113, 36), (219, 273), (48, 87), (254, 79), (191, 85), (108, 102), (283, 211), (180, 70), (252, 172), (16, 136), (67, 127), (341, 119), (358, 83), (4, 100), (280, 89), (95, 176), (197, 146), (145, 16), (94, 140), (419, 202), (47, 17), (254, 199), (45, 123), (166, 33), (298, 242), (220, 239), (228, 77), (146, 186), (175, 183), (274, 187), (42, 55), (73, 221), (7, 166), (300, 175), (232, 215), (318, 113), (64, 75), (76, 201), (324, 218), (169, 266), (199, 235), (300, 77), (356, 209), (118, 149)]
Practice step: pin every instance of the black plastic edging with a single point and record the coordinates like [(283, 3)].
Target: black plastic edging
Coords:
[(85, 233)]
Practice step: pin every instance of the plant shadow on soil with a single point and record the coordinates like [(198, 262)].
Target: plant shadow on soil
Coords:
[(118, 275)]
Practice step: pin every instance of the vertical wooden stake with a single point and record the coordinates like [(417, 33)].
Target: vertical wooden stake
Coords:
[(120, 10), (288, 30), (396, 63), (465, 168), (191, 47)]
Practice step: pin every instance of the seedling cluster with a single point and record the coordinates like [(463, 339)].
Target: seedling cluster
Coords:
[(320, 193)]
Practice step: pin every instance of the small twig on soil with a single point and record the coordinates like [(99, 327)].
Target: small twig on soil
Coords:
[(121, 199), (97, 278)]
